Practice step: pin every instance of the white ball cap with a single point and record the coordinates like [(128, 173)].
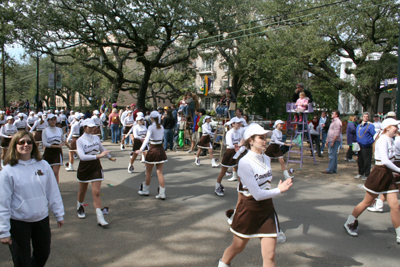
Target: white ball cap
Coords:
[(389, 122), (30, 113), (138, 118), (154, 114), (56, 111), (89, 123), (50, 116), (254, 129), (96, 112), (205, 118), (78, 116), (20, 115), (40, 113), (278, 122), (10, 117)]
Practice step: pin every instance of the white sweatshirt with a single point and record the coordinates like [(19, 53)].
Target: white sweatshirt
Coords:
[(255, 175), (385, 152), (39, 126), (27, 191), (233, 137), (74, 132), (153, 135), (88, 146), (276, 137)]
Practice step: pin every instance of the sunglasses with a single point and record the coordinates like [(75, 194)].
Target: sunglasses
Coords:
[(23, 142)]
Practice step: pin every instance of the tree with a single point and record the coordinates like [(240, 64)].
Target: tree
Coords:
[(104, 35)]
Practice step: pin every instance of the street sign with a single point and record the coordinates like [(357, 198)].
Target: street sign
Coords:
[(51, 80), (58, 82)]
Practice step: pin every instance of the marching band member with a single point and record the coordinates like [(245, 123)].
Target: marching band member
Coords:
[(7, 132), (74, 134), (38, 127), (90, 150), (20, 122), (98, 122), (139, 132), (205, 142), (127, 122), (32, 118)]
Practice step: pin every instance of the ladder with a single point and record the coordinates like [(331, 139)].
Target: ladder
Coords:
[(302, 128)]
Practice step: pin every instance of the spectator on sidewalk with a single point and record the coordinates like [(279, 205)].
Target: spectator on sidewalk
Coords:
[(333, 139), (325, 122), (195, 129), (365, 138), (351, 138), (315, 132), (168, 122)]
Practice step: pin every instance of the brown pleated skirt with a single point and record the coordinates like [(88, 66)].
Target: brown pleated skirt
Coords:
[(127, 129), (63, 124), (38, 136), (53, 156), (73, 144), (205, 142), (274, 151), (255, 218), (137, 144), (381, 181), (395, 174), (5, 142), (156, 155), (90, 171), (228, 160)]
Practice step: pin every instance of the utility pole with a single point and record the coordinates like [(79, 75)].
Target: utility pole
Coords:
[(55, 84), (3, 67), (398, 78), (37, 81)]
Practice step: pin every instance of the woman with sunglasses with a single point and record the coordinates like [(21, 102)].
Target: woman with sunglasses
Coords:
[(255, 215), (28, 189), (380, 180), (90, 150), (7, 132), (53, 140)]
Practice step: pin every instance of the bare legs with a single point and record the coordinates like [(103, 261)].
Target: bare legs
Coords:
[(71, 157), (159, 167), (56, 170), (282, 162), (95, 193), (367, 201)]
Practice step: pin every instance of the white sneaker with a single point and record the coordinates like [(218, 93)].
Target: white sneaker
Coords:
[(70, 167), (234, 177), (197, 161), (351, 228), (398, 240), (364, 178), (377, 206), (130, 168), (358, 176), (214, 164), (287, 175), (100, 218), (219, 191), (161, 193), (228, 173), (221, 264), (122, 147), (81, 212), (189, 151), (351, 160), (375, 209), (144, 189)]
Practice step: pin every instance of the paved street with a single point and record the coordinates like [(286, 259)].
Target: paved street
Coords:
[(190, 228)]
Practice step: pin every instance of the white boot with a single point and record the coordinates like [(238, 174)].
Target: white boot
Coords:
[(197, 161), (213, 163), (144, 189), (122, 147), (234, 177), (287, 175), (398, 235), (377, 207), (70, 167), (100, 218), (142, 160), (80, 211), (221, 264), (130, 168), (161, 193)]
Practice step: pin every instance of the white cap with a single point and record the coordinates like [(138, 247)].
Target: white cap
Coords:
[(391, 114), (154, 114), (140, 114), (89, 123), (45, 112), (77, 116), (57, 111), (205, 118), (235, 120), (50, 116), (254, 129), (40, 113), (278, 122), (30, 113), (130, 111), (20, 114), (389, 122), (138, 118), (96, 112), (71, 111), (10, 117)]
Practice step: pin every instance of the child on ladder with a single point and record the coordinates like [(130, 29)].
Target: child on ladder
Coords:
[(274, 151), (301, 106)]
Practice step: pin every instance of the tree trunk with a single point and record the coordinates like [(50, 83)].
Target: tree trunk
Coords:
[(370, 102), (141, 99)]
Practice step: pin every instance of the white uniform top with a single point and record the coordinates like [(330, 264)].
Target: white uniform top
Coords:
[(27, 191), (74, 132), (58, 118), (38, 126), (139, 132), (385, 152), (62, 117), (397, 147), (255, 175), (276, 137), (88, 146), (71, 119), (7, 130), (20, 124), (206, 127), (123, 116), (103, 118), (3, 121), (233, 137), (96, 120), (52, 136), (128, 121), (154, 136), (32, 119)]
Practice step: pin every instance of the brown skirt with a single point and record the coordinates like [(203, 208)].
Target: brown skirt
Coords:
[(205, 142), (58, 125), (127, 129), (30, 124), (156, 155), (381, 181), (395, 174), (255, 218), (73, 144), (137, 144), (63, 124), (274, 151), (96, 130), (5, 142), (53, 156), (228, 160), (90, 171), (38, 136)]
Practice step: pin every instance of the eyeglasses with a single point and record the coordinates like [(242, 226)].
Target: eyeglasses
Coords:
[(23, 142)]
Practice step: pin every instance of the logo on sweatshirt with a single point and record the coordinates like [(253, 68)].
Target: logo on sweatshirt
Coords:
[(39, 172)]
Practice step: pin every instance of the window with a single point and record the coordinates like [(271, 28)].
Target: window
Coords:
[(387, 105), (207, 103), (159, 100), (208, 65)]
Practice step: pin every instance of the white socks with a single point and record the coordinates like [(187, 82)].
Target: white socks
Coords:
[(79, 204), (398, 231), (351, 219), (217, 185)]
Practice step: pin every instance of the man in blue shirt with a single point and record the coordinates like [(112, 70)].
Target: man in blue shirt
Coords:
[(365, 138)]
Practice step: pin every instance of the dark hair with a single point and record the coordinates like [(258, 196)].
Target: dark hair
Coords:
[(240, 110), (203, 111), (198, 110), (337, 112), (247, 146), (12, 155), (169, 112), (228, 88), (247, 117)]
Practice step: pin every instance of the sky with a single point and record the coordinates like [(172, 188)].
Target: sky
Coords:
[(15, 51)]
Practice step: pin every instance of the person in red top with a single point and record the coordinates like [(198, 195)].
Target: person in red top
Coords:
[(8, 112), (135, 111), (113, 123)]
